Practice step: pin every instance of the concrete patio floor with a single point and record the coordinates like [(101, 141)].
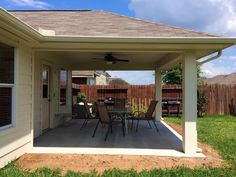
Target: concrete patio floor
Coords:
[(68, 138)]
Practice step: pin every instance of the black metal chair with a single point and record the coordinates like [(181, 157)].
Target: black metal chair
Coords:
[(83, 112), (146, 116), (106, 119)]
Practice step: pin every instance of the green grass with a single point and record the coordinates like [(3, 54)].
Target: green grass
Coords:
[(218, 131), (13, 170)]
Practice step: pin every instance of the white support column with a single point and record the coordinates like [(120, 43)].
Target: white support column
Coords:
[(158, 85), (189, 103)]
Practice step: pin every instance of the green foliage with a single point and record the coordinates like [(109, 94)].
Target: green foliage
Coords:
[(136, 108), (175, 75), (202, 102), (81, 97), (15, 171)]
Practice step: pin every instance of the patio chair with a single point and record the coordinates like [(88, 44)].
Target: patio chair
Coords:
[(146, 116), (106, 119), (89, 115), (83, 112), (119, 104)]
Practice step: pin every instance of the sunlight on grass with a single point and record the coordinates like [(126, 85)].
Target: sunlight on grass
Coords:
[(218, 131)]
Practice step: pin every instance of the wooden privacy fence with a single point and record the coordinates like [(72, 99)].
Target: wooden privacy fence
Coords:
[(139, 96), (220, 97)]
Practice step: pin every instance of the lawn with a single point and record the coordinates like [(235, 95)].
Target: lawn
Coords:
[(218, 131)]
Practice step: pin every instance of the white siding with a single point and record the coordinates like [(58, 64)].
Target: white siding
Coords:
[(101, 80), (55, 108), (17, 140)]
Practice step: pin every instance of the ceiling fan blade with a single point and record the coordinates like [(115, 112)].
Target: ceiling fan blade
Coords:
[(122, 60), (98, 58)]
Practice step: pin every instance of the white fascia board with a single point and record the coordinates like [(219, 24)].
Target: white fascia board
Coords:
[(158, 40), (11, 19)]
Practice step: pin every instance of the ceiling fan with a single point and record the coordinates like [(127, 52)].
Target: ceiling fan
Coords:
[(110, 59)]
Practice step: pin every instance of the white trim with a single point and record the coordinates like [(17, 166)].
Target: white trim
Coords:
[(2, 85), (114, 151), (172, 130), (5, 127)]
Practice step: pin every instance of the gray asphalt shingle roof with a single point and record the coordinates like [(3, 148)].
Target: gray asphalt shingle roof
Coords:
[(99, 23)]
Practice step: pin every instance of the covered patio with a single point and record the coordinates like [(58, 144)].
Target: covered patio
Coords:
[(70, 40), (68, 138), (143, 51)]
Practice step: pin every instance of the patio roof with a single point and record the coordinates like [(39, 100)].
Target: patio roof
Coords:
[(77, 36), (98, 23)]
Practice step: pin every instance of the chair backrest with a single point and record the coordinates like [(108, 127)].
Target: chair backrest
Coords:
[(151, 109), (80, 111), (103, 113), (119, 104), (89, 115)]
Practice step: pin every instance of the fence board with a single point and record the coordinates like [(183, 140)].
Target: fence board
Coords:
[(140, 96)]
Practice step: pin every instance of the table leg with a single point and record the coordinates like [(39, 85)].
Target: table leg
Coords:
[(126, 124)]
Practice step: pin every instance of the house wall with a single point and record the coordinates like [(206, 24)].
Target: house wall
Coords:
[(91, 81), (56, 111), (17, 140), (101, 80)]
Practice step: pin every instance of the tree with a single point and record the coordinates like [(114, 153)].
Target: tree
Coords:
[(175, 75)]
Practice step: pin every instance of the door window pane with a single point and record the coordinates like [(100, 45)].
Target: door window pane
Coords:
[(45, 91), (5, 106), (45, 77)]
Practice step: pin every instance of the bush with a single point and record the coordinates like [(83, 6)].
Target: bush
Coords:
[(81, 97), (202, 102)]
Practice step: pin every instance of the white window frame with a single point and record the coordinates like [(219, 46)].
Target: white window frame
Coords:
[(13, 95)]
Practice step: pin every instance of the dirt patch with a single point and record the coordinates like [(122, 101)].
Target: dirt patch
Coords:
[(86, 163), (208, 151)]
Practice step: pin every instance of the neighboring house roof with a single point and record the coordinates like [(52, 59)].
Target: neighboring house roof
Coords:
[(222, 79), (98, 23), (89, 73), (117, 81)]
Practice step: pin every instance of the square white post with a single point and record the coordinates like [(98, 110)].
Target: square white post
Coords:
[(158, 87), (189, 103)]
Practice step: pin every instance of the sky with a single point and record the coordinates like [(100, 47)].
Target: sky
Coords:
[(212, 16)]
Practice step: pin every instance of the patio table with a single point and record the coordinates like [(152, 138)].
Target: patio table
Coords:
[(123, 113)]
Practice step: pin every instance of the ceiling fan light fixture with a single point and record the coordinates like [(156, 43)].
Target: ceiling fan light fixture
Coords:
[(110, 63)]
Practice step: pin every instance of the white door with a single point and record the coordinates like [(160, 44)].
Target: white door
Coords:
[(46, 98)]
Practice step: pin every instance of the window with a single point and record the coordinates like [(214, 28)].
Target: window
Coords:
[(6, 84), (45, 83), (63, 86)]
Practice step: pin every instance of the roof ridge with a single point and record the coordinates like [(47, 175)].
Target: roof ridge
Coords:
[(66, 10), (157, 23)]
